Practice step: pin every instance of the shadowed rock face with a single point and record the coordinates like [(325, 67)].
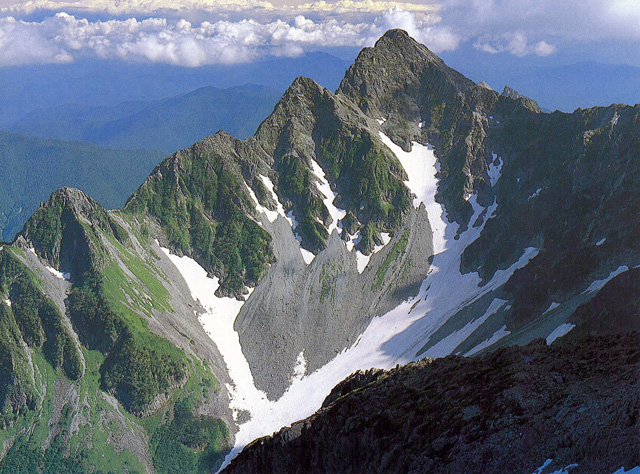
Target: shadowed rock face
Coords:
[(508, 411)]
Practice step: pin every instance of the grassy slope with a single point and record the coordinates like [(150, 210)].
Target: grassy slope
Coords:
[(108, 306)]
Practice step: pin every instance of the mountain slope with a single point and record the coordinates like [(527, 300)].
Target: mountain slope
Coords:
[(128, 373)]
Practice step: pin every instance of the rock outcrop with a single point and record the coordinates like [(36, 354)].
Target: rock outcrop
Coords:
[(508, 411)]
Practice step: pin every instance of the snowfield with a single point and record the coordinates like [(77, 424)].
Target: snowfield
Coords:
[(394, 338), (57, 274), (324, 187), (495, 169), (570, 469), (499, 334), (597, 285)]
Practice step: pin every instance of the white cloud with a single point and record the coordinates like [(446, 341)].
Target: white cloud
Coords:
[(135, 7), (542, 48), (515, 43), (217, 7), (195, 32), (424, 29), (548, 21), (20, 45), (367, 6), (63, 38)]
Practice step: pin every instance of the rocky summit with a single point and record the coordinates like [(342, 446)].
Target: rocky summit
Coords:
[(411, 215)]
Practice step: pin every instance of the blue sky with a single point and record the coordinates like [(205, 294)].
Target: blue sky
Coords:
[(199, 32)]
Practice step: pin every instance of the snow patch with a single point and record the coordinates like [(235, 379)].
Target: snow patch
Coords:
[(635, 470), (306, 255), (362, 261), (600, 242), (614, 120), (495, 169), (57, 274), (269, 185), (598, 284), (551, 307), (386, 238), (300, 369), (565, 470), (541, 468), (352, 240), (271, 215), (329, 196), (421, 166), (499, 334), (536, 194), (560, 331), (447, 345)]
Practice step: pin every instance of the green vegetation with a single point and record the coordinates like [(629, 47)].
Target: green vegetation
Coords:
[(189, 444), (139, 365), (43, 440), (327, 281), (371, 178), (397, 250), (203, 212), (34, 319), (297, 182)]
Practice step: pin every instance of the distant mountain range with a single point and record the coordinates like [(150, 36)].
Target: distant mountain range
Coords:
[(562, 87), (24, 89), (33, 167), (166, 125)]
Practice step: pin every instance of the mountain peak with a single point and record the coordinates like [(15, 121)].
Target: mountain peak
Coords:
[(68, 212), (398, 72), (396, 35)]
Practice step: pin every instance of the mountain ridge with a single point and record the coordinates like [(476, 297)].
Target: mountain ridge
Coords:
[(331, 240)]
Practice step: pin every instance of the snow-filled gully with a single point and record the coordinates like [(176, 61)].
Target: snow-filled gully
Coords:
[(393, 338)]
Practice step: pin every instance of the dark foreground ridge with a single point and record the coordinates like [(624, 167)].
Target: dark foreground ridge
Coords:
[(508, 411)]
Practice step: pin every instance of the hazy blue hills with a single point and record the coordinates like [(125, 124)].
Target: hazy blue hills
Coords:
[(564, 87), (166, 125), (583, 85), (34, 167), (108, 83)]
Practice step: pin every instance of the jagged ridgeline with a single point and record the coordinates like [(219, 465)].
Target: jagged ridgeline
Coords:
[(204, 198), (312, 227)]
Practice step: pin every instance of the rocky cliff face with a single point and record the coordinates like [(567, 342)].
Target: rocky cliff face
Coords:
[(572, 404)]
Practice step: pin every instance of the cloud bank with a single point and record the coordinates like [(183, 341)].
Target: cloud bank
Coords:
[(64, 38), (198, 32)]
